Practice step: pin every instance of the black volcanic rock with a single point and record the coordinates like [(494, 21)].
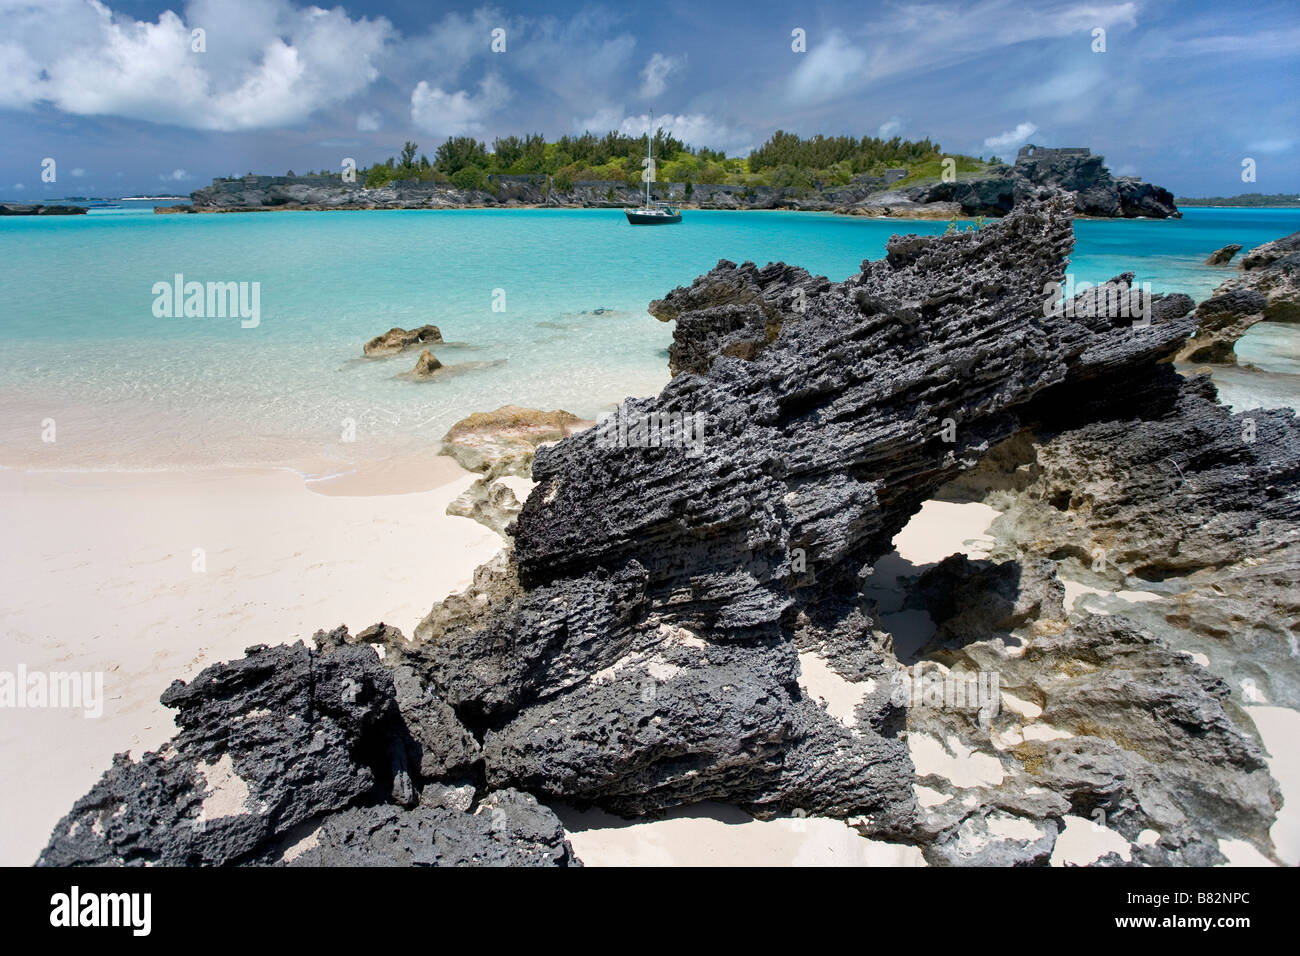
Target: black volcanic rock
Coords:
[(507, 828), (639, 652), (266, 743), (288, 739), (733, 311)]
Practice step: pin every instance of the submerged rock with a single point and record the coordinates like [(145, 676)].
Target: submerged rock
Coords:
[(396, 340), (1222, 256), (426, 366)]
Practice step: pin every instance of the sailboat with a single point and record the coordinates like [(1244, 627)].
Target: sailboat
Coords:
[(652, 213)]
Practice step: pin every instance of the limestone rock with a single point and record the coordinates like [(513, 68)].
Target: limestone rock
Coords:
[(396, 340), (505, 440), (1223, 256)]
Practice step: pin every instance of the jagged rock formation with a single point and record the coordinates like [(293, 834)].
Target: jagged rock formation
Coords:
[(643, 573), (1223, 256), (397, 340), (1266, 288), (639, 647), (733, 311), (282, 740)]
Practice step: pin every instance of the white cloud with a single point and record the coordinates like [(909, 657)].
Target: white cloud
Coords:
[(267, 63), (18, 186), (1270, 146), (1012, 137), (891, 127), (654, 78), (78, 172), (175, 176), (456, 114), (827, 70), (368, 122)]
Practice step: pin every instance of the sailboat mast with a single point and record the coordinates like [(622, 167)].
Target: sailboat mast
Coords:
[(650, 163)]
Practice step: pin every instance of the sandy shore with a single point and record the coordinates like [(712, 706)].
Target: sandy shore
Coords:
[(147, 577), (150, 577)]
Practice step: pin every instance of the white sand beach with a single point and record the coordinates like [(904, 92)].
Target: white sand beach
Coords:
[(100, 575)]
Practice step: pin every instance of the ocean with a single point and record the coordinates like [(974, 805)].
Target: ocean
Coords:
[(541, 308)]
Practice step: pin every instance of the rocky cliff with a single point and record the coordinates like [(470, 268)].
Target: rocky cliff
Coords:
[(640, 645)]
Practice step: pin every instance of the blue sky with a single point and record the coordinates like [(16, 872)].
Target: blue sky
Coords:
[(115, 94)]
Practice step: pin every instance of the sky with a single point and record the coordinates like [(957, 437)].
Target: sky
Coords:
[(126, 98)]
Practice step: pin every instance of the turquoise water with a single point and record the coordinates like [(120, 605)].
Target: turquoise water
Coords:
[(82, 346)]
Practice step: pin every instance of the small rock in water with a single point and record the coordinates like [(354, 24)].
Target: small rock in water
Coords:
[(396, 340), (1224, 255), (428, 364)]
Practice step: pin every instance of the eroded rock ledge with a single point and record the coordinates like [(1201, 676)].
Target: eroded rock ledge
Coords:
[(639, 646)]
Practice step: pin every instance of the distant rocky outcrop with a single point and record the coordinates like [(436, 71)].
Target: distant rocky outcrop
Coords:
[(1266, 288), (37, 209), (1085, 176), (397, 340)]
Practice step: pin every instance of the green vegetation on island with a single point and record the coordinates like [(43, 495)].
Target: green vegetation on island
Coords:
[(1245, 199), (785, 160)]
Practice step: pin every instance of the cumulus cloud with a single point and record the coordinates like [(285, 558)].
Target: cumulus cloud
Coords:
[(267, 63), (827, 70), (456, 114), (175, 176), (654, 78), (1012, 137), (368, 122)]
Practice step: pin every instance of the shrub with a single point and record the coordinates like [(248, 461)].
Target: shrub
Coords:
[(470, 177)]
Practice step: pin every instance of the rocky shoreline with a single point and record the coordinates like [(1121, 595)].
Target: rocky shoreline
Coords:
[(637, 646), (995, 192)]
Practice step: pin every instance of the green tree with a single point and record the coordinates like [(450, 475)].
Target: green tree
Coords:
[(458, 152)]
